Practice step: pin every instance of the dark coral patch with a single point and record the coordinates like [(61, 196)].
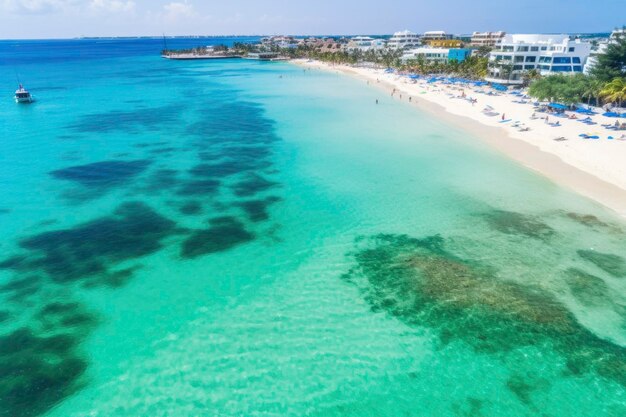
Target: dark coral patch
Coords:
[(68, 317), (19, 284), (191, 208), (226, 168), (134, 230), (224, 234), (613, 264), (160, 180), (524, 387), (4, 316), (252, 185), (198, 188), (14, 262), (128, 121), (102, 175), (586, 288), (419, 282), (518, 224), (257, 210), (37, 372), (587, 220)]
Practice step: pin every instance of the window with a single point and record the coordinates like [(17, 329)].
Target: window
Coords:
[(498, 57), (517, 67), (545, 67), (545, 59), (529, 67), (578, 68), (507, 48), (523, 49), (562, 60), (572, 49), (576, 60), (544, 48), (519, 59), (531, 59), (561, 68), (534, 48)]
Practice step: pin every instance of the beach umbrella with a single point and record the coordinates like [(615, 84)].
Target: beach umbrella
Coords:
[(557, 106)]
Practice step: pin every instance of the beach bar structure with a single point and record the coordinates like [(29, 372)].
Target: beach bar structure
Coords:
[(437, 55), (549, 54)]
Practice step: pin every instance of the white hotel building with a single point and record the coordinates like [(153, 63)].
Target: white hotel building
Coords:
[(404, 40), (364, 43), (549, 54)]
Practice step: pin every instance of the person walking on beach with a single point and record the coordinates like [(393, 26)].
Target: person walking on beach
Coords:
[(503, 115), (376, 101)]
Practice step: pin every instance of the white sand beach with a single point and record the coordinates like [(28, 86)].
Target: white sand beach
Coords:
[(595, 168)]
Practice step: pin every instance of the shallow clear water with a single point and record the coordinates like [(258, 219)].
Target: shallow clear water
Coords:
[(243, 238)]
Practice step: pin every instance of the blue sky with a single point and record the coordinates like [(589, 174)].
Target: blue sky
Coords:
[(71, 18)]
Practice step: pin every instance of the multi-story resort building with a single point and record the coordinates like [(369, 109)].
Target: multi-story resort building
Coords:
[(549, 54), (435, 35), (601, 49), (364, 43), (404, 40), (486, 38), (436, 55)]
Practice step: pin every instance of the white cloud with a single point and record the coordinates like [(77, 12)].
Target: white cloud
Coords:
[(113, 5), (178, 10)]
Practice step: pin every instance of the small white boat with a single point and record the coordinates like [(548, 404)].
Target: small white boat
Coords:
[(22, 95)]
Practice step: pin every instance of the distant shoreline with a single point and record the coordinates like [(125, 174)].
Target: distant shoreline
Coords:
[(595, 169)]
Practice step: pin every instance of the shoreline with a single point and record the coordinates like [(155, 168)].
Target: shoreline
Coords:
[(583, 176)]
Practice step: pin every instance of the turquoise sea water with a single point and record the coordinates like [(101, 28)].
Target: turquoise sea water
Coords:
[(238, 238)]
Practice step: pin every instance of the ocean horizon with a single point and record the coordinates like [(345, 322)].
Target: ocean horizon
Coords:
[(245, 238)]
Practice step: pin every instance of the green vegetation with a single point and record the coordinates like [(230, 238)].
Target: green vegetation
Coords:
[(605, 85), (474, 67)]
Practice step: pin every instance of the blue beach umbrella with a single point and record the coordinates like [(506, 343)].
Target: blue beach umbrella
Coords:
[(557, 106)]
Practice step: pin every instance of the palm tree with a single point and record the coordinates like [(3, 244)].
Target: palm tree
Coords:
[(615, 91), (591, 90)]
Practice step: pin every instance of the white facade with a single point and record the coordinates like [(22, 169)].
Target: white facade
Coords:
[(593, 58), (549, 54), (486, 38), (404, 40), (435, 35), (364, 43), (430, 55)]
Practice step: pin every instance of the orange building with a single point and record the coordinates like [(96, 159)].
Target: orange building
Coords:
[(444, 43)]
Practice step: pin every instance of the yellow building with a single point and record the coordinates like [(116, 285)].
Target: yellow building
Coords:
[(444, 43)]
